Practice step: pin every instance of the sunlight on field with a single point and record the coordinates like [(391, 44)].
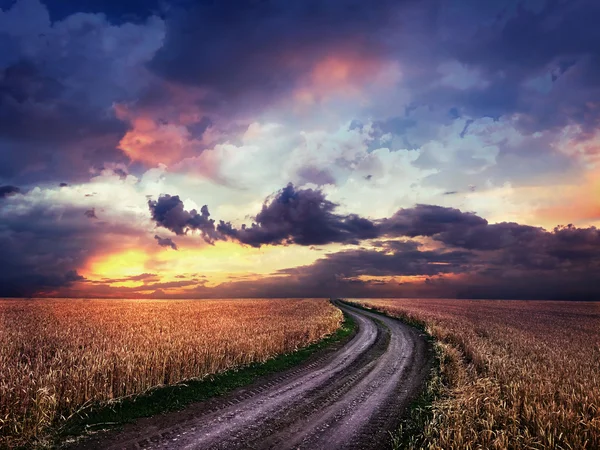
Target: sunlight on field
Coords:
[(517, 374), (58, 355)]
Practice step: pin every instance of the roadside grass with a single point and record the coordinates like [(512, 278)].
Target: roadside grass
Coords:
[(175, 397), (59, 357), (420, 413), (410, 430), (508, 374)]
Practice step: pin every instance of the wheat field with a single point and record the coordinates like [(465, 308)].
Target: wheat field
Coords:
[(57, 356), (513, 374)]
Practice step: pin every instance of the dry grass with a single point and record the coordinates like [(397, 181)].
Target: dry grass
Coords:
[(516, 374), (57, 356)]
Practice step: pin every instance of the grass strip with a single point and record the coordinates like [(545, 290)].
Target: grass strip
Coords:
[(420, 413), (175, 397)]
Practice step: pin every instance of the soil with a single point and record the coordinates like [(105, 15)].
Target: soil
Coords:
[(348, 397)]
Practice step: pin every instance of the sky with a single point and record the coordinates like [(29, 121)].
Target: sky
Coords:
[(287, 148)]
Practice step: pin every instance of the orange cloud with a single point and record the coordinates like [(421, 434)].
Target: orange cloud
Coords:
[(344, 75), (395, 279), (579, 204), (153, 142), (159, 133), (577, 143)]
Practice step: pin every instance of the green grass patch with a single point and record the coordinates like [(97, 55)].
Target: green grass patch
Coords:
[(410, 430), (176, 397), (420, 413)]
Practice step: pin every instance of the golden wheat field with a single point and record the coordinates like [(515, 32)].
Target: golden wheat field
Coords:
[(57, 356), (514, 374)]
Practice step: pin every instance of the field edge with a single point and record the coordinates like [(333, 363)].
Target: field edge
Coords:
[(164, 399), (419, 413)]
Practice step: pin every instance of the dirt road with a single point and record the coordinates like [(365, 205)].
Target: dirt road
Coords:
[(347, 399)]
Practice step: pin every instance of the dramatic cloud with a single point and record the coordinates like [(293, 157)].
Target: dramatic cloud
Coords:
[(483, 255), (49, 234), (281, 42), (306, 217), (532, 263), (168, 212), (303, 217), (165, 242), (423, 147), (56, 117), (407, 262), (428, 220), (42, 248), (8, 190), (537, 58)]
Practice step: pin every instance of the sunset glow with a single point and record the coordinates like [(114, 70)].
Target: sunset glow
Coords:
[(396, 149)]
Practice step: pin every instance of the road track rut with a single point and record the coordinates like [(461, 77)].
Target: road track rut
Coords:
[(347, 399)]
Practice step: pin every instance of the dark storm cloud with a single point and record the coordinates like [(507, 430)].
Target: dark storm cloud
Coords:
[(130, 10), (574, 243), (56, 112), (165, 242), (504, 246), (37, 122), (168, 212), (8, 190), (491, 260), (43, 245), (427, 220), (90, 213), (306, 217), (530, 38), (511, 246), (522, 263), (531, 59), (56, 116), (303, 217), (26, 92), (354, 263), (31, 284), (291, 216), (261, 48)]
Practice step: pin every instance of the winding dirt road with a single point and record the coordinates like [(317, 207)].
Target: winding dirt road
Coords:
[(344, 399)]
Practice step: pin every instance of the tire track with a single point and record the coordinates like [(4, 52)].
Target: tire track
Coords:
[(346, 399)]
